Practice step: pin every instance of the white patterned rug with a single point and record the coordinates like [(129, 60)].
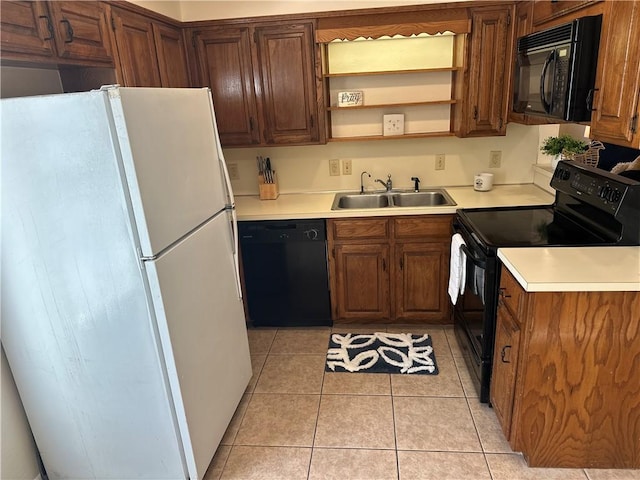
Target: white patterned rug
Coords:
[(381, 352)]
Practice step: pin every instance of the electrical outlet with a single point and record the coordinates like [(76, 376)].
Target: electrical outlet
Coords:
[(334, 167), (440, 161), (234, 174), (495, 158), (346, 167)]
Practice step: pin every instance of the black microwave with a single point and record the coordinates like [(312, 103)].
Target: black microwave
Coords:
[(556, 70)]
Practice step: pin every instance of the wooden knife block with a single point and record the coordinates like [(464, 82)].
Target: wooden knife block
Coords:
[(268, 191)]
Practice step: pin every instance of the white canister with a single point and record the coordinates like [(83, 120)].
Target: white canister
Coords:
[(483, 182)]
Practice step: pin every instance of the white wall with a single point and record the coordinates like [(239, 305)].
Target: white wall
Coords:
[(18, 457), (18, 451), (303, 169), (192, 10)]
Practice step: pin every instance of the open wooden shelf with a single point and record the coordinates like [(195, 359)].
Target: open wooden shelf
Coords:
[(391, 137), (387, 105), (391, 72)]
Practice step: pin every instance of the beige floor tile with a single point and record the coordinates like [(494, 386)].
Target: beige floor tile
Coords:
[(353, 464), (513, 467), (267, 463), (355, 421), (442, 466), (445, 384), (279, 420), (470, 390), (217, 464), (456, 349), (260, 340), (610, 474), (489, 430), (236, 420), (432, 423), (292, 374), (345, 383), (357, 328), (301, 340), (257, 362)]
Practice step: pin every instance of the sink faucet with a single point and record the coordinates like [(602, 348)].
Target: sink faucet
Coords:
[(388, 184), (362, 181), (416, 184)]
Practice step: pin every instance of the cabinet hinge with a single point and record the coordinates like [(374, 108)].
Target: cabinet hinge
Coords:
[(508, 18), (255, 36), (500, 123), (193, 40), (113, 24), (634, 124)]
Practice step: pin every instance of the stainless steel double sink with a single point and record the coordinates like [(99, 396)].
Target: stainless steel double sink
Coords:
[(437, 197)]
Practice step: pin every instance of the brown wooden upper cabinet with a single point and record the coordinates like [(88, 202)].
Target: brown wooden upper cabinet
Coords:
[(56, 32), (264, 82), (486, 99), (150, 53), (617, 96)]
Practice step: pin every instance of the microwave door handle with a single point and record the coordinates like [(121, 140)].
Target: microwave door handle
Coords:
[(543, 77)]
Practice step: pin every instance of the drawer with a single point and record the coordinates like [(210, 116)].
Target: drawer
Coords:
[(359, 229), (436, 227), (511, 293)]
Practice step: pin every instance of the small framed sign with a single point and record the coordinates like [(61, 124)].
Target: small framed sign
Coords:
[(352, 98)]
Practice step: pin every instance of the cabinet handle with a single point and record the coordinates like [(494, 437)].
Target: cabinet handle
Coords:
[(69, 31), (49, 26), (251, 123), (475, 113), (589, 100), (503, 353), (384, 265), (401, 264), (503, 293)]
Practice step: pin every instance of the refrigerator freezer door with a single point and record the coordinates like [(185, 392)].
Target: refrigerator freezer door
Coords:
[(203, 331), (76, 323), (168, 141)]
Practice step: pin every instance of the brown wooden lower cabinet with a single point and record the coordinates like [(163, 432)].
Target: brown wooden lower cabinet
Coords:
[(567, 392), (389, 269)]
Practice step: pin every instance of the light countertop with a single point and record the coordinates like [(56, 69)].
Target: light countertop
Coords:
[(318, 205), (574, 269)]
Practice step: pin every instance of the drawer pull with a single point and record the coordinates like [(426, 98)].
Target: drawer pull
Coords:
[(503, 293), (503, 354)]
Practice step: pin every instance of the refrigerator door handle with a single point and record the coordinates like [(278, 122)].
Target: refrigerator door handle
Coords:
[(234, 247)]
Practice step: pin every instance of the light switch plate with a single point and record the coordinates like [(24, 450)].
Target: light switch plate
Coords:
[(393, 124)]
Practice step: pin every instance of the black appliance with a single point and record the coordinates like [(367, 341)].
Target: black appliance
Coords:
[(285, 272), (592, 207), (556, 70)]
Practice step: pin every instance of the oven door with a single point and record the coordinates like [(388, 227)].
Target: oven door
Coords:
[(475, 310)]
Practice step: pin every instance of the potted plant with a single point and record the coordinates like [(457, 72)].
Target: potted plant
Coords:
[(563, 146)]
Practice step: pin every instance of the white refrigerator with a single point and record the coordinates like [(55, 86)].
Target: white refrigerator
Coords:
[(122, 316)]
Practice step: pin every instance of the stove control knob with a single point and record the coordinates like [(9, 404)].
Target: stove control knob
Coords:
[(565, 174), (617, 195)]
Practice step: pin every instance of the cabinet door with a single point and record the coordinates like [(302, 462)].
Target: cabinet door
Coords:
[(224, 58), (26, 28), (172, 57), (81, 31), (362, 282), (505, 362), (420, 287), (617, 97), (521, 27), (286, 65), (136, 49), (489, 65)]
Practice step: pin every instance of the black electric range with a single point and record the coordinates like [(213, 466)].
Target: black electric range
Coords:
[(592, 208)]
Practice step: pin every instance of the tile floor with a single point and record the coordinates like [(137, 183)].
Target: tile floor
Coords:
[(297, 422)]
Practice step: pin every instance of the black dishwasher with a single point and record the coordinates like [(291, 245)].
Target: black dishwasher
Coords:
[(285, 272)]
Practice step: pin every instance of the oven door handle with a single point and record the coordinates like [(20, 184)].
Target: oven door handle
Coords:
[(476, 261)]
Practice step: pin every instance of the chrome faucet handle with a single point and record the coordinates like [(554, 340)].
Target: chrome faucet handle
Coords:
[(416, 184), (362, 181), (389, 184)]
